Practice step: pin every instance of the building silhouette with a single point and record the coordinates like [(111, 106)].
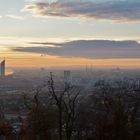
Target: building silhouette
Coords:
[(67, 77), (2, 68)]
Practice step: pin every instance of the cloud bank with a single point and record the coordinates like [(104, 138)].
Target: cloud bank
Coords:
[(86, 49), (118, 10)]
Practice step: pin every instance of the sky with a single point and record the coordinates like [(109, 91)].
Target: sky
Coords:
[(72, 33)]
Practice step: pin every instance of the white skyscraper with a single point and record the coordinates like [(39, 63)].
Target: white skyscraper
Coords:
[(2, 68), (67, 77)]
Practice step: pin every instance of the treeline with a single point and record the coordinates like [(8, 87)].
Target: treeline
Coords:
[(110, 112)]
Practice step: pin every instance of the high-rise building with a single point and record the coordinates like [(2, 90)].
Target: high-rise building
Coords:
[(2, 68), (67, 77)]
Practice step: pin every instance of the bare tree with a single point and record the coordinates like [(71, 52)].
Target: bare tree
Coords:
[(70, 109), (59, 102), (36, 126), (66, 102)]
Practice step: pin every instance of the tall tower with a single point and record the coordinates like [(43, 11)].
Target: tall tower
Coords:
[(2, 68), (67, 77)]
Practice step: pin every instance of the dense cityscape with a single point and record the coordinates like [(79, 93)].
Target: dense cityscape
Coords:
[(42, 104)]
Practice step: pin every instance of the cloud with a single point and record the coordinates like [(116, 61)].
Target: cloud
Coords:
[(46, 43), (15, 17), (87, 49), (118, 10), (0, 16)]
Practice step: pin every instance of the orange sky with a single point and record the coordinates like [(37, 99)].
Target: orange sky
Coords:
[(36, 60)]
